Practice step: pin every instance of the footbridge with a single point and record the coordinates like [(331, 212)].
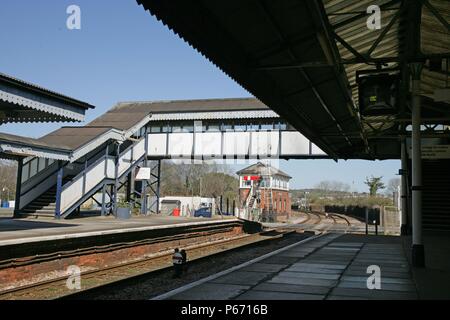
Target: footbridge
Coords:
[(62, 170)]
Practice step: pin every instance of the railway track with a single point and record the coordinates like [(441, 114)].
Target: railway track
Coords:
[(321, 221), (96, 279)]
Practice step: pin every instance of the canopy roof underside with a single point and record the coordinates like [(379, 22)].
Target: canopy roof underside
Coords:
[(300, 58)]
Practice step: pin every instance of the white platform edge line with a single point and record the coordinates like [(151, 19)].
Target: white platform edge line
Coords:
[(225, 272), (107, 232)]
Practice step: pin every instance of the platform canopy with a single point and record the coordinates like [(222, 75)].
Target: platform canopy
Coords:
[(301, 59), (21, 101)]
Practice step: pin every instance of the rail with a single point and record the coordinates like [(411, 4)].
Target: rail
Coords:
[(157, 262)]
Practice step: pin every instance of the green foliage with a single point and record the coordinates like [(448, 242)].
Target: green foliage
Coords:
[(374, 184), (206, 180), (123, 204), (337, 193), (8, 178), (354, 201)]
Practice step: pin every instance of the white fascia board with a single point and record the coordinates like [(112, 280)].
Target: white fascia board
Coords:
[(112, 134), (251, 114), (26, 99), (35, 152)]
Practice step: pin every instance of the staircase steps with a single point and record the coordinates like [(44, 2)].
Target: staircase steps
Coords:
[(44, 205)]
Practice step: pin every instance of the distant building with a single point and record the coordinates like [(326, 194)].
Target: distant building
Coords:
[(187, 205), (264, 190)]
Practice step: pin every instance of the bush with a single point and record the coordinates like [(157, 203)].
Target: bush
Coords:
[(353, 201)]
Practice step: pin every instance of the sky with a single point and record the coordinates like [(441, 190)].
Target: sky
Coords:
[(122, 53)]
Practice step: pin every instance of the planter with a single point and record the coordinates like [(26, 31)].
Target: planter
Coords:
[(123, 213)]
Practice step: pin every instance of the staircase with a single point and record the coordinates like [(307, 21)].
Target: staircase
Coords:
[(78, 186), (253, 194), (252, 201), (44, 205), (436, 195)]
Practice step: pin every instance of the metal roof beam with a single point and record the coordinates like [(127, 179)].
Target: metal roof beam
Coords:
[(363, 14), (385, 31), (302, 71), (436, 14), (346, 45), (282, 47), (312, 64)]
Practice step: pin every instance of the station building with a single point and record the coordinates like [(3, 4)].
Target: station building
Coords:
[(265, 188)]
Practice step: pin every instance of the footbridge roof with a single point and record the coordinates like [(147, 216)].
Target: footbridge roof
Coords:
[(123, 121)]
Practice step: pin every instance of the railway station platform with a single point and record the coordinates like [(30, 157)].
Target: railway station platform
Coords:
[(34, 251), (331, 267), (20, 231)]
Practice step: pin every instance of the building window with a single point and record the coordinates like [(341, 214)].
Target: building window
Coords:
[(227, 127), (33, 167), (267, 126), (166, 128), (155, 129), (25, 172), (42, 164), (187, 126), (240, 127), (214, 127), (176, 128)]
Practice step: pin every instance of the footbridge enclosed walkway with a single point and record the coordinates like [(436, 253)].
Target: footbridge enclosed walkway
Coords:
[(62, 170)]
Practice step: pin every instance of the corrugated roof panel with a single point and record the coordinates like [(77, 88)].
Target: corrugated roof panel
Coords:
[(73, 137), (30, 86), (435, 38), (262, 169), (359, 37)]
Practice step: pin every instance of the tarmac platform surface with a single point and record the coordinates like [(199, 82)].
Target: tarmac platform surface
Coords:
[(17, 231), (332, 267)]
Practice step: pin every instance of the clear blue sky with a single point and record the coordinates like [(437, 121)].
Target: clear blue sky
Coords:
[(122, 53)]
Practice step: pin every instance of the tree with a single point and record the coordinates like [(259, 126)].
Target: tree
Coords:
[(8, 173), (220, 184), (374, 184), (197, 180), (333, 186), (392, 186)]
